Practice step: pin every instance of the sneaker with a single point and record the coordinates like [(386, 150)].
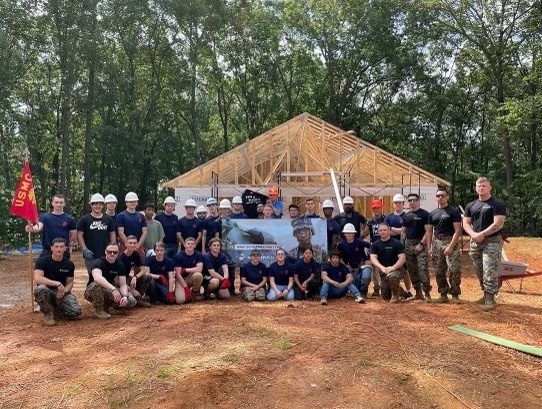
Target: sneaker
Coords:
[(102, 315), (376, 293), (323, 301), (359, 299)]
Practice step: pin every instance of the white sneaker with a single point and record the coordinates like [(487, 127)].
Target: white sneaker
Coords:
[(359, 299), (323, 301)]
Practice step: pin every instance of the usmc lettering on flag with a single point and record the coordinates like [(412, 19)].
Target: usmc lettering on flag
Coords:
[(24, 199)]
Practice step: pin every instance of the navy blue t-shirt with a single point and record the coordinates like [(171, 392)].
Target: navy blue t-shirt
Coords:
[(160, 267), (394, 220), (372, 224), (254, 274), (211, 226), (211, 262), (55, 270), (56, 225), (354, 254), (304, 270), (333, 229), (338, 273), (282, 273), (169, 224), (132, 223), (184, 260), (189, 227), (241, 215)]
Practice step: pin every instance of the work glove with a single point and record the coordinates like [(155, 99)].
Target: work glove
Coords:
[(187, 293), (170, 298), (225, 284), (88, 254), (183, 271), (163, 280)]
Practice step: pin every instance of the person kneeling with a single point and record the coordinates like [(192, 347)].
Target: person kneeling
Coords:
[(161, 269), (337, 280), (54, 278), (281, 278), (101, 290), (215, 272), (254, 278)]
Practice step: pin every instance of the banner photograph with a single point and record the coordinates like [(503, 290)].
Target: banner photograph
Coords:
[(294, 236)]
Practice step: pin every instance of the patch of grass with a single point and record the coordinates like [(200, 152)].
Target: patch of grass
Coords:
[(230, 358), (259, 330), (365, 363), (283, 344), (124, 389), (165, 371)]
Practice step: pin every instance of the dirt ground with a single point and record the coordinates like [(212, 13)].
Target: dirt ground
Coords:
[(231, 354)]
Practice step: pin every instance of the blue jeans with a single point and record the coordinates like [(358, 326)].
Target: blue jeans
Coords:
[(334, 292), (171, 250), (271, 296), (362, 278)]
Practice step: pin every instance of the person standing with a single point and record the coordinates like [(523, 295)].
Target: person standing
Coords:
[(351, 216), (444, 234), (310, 206), (209, 226), (416, 233), (278, 206), (155, 231), (293, 211), (237, 209), (169, 221), (53, 276), (131, 222), (388, 255), (189, 225), (110, 203), (95, 231), (55, 224), (483, 222), (333, 228), (372, 231)]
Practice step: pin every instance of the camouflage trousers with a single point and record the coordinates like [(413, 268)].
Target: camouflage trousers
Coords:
[(250, 295), (391, 283), (142, 283), (417, 265), (66, 307), (102, 299), (485, 257), (447, 268)]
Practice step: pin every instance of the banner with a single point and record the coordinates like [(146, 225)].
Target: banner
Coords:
[(241, 236), (24, 200)]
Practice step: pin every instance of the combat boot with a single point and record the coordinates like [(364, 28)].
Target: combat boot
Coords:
[(489, 304), (427, 296), (49, 319), (456, 300), (442, 299), (419, 294), (481, 301), (101, 314)]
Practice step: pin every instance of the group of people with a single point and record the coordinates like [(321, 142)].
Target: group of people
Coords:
[(142, 258)]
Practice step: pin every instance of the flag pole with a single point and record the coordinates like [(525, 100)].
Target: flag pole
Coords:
[(31, 267)]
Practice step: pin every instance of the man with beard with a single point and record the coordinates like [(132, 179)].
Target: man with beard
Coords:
[(351, 216), (333, 228)]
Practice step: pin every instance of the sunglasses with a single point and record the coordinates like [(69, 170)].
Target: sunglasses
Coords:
[(440, 195), (412, 200), (112, 252)]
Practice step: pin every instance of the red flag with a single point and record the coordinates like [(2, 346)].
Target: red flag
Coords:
[(24, 199)]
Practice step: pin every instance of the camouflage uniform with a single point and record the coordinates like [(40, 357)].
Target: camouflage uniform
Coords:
[(391, 284), (250, 295), (485, 257), (447, 264), (318, 253), (102, 299), (66, 307), (142, 283), (417, 265)]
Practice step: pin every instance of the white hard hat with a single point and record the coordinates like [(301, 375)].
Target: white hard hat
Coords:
[(237, 200), (398, 198), (169, 200), (201, 209), (110, 198), (97, 198), (349, 228), (348, 200), (190, 203), (211, 201), (225, 204), (327, 204), (131, 197)]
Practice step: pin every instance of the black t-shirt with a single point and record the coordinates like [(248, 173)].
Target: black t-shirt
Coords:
[(483, 212), (372, 224), (387, 251), (443, 219), (109, 270), (130, 261), (415, 223), (251, 200), (55, 270), (355, 218), (96, 232)]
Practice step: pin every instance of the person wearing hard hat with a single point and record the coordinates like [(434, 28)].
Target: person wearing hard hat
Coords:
[(372, 231), (189, 225), (333, 228), (209, 226), (388, 255), (95, 231), (354, 252), (131, 222), (169, 221), (110, 204), (303, 230), (55, 224), (201, 213), (278, 207), (416, 230), (337, 280), (395, 221), (155, 231), (351, 216), (237, 209)]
